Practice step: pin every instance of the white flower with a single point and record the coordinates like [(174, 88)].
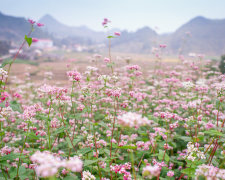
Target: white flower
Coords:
[(88, 176), (188, 85)]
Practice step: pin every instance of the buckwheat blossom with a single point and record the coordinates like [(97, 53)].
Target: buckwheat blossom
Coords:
[(116, 92), (105, 21), (104, 78), (193, 153), (74, 75), (31, 21), (162, 45), (40, 24), (188, 85), (5, 150), (88, 176), (48, 164), (5, 112), (74, 164), (3, 73), (151, 171), (4, 96), (122, 169), (106, 60), (133, 67), (34, 40), (117, 33), (170, 173), (209, 172), (132, 119)]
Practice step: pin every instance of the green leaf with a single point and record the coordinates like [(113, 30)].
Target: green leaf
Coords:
[(111, 37), (28, 39), (71, 177), (15, 106), (107, 152), (22, 170), (127, 147), (89, 162), (167, 158), (103, 124), (84, 151), (59, 130), (184, 138), (13, 172), (2, 133), (31, 135), (69, 143), (189, 171), (75, 141), (10, 157), (213, 132), (161, 154)]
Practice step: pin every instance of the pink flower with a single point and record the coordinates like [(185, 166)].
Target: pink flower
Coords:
[(170, 173), (40, 24), (162, 45), (34, 40), (117, 33), (151, 171), (74, 75), (105, 22), (106, 60), (31, 21)]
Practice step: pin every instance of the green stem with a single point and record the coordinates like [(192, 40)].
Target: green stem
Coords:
[(49, 133), (18, 166), (132, 161)]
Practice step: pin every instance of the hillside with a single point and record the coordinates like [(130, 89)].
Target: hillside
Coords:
[(199, 35)]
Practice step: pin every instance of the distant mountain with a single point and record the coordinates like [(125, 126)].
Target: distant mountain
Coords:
[(140, 41), (206, 36), (62, 31), (199, 35), (15, 28)]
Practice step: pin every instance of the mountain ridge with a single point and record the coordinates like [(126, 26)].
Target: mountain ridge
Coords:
[(200, 35)]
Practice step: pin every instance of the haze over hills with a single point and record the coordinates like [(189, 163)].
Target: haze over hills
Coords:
[(14, 28), (61, 31), (200, 35)]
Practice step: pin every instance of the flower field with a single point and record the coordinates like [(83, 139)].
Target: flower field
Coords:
[(115, 122)]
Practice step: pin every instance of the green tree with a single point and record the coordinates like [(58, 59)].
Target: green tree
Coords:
[(222, 64)]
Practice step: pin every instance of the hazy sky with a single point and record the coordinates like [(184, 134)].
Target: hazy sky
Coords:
[(167, 15)]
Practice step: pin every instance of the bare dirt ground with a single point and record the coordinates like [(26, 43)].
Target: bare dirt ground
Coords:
[(80, 61)]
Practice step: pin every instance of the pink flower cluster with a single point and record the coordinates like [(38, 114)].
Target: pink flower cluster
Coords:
[(131, 119), (74, 75), (133, 67), (32, 22), (105, 21), (48, 164), (210, 172), (151, 171), (113, 92), (122, 169)]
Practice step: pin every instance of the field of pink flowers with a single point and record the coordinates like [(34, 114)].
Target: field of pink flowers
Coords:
[(166, 124)]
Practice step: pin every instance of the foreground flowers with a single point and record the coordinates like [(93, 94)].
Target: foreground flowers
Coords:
[(110, 121), (47, 165), (131, 119)]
